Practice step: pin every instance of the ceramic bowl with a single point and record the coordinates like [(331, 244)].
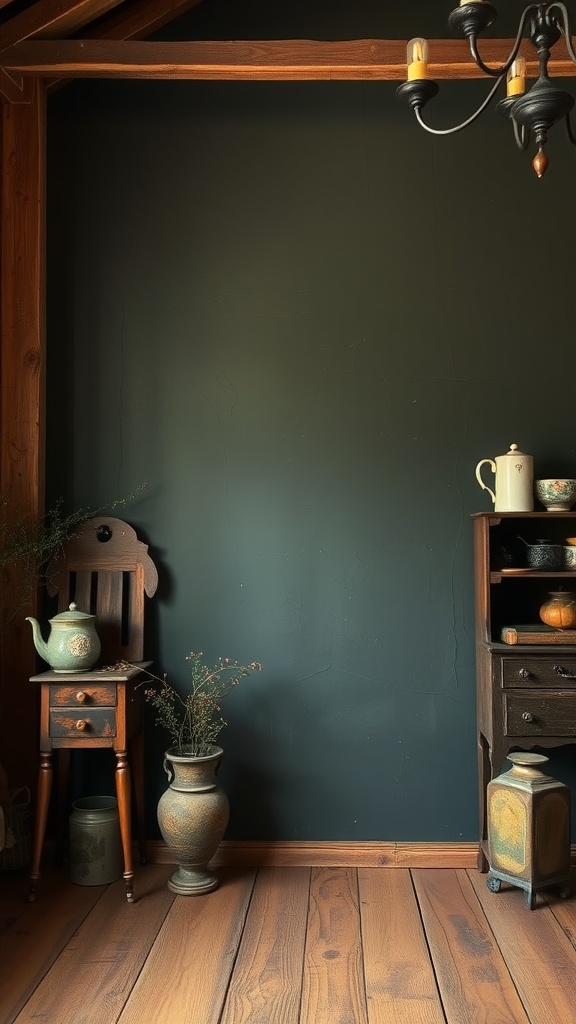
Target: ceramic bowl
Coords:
[(545, 555), (556, 495), (570, 556)]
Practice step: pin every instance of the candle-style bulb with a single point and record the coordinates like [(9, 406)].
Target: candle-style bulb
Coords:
[(516, 78), (417, 59)]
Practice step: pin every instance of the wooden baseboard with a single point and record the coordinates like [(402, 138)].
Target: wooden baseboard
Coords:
[(305, 854)]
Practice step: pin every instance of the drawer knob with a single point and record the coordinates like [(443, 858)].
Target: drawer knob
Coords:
[(81, 724), (562, 672), (528, 716), (81, 697), (524, 673)]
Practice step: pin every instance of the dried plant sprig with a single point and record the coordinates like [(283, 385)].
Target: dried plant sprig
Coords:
[(29, 544), (193, 719)]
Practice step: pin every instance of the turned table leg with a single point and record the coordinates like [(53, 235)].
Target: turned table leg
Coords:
[(42, 804), (123, 796)]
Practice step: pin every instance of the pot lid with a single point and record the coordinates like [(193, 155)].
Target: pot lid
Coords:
[(514, 450), (72, 615)]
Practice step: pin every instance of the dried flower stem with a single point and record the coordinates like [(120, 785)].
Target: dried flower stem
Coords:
[(193, 719)]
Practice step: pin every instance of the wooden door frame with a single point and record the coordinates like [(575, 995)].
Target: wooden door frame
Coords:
[(22, 403)]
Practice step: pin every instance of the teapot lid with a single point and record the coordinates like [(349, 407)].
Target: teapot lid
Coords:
[(72, 615), (514, 450)]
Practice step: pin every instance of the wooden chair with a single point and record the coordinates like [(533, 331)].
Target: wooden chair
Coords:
[(107, 571)]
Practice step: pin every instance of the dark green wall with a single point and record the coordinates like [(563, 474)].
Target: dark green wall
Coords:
[(303, 321)]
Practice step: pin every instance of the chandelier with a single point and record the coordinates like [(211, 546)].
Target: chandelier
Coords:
[(532, 111)]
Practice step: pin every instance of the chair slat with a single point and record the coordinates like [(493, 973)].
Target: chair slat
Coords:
[(109, 579)]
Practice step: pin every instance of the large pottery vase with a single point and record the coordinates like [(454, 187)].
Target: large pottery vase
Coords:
[(192, 815)]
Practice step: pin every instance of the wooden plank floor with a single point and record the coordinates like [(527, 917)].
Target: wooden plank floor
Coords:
[(287, 946)]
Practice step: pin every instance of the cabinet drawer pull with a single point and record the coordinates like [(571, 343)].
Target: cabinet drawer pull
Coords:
[(81, 697), (81, 724), (562, 672), (524, 673), (527, 716)]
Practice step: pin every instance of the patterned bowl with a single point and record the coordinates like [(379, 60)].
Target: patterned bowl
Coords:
[(556, 495)]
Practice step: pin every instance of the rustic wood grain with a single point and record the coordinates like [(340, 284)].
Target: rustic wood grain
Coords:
[(267, 978), (30, 947), (239, 955), (539, 955), (326, 854), (564, 910), (142, 18), (272, 60), (333, 988), (59, 16), (400, 983), (105, 957), (186, 976), (21, 408), (470, 970)]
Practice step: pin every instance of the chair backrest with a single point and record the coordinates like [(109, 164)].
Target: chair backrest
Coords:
[(106, 570)]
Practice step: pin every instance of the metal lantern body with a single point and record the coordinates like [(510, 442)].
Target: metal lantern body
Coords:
[(528, 828)]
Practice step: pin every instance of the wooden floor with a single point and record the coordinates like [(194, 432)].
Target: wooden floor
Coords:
[(287, 946)]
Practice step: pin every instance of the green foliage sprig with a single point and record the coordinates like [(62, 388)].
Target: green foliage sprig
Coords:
[(28, 544), (193, 719)]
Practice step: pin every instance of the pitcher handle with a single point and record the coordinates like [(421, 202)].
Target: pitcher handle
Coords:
[(169, 771), (480, 480)]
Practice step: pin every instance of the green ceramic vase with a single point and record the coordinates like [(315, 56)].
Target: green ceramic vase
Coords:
[(193, 814)]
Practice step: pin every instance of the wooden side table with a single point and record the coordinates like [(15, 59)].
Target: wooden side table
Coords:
[(84, 711)]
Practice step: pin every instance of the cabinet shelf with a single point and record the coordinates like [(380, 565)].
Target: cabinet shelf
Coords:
[(515, 574), (526, 693)]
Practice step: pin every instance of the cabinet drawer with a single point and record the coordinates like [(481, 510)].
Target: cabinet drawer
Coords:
[(540, 714), (89, 696), (82, 723), (554, 671)]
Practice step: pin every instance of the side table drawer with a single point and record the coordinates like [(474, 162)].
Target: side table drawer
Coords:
[(554, 671), (89, 696), (540, 715), (82, 723)]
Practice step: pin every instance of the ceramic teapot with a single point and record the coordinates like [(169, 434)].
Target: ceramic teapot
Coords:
[(514, 481), (73, 644)]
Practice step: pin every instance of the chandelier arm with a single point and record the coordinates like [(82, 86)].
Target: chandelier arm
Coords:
[(503, 70), (564, 27), (521, 135), (569, 131), (458, 127)]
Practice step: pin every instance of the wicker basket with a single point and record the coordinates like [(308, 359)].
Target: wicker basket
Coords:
[(18, 831)]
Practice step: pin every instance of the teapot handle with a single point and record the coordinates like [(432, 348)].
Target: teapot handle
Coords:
[(480, 480)]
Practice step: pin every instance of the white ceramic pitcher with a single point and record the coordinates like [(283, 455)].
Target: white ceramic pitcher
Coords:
[(514, 481)]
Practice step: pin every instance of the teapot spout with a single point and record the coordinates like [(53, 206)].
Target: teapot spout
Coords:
[(39, 644)]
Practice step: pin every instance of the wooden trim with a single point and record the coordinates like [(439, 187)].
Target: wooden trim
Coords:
[(22, 178), (232, 853), (308, 854), (273, 60)]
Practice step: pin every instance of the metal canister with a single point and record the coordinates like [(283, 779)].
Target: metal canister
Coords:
[(95, 847)]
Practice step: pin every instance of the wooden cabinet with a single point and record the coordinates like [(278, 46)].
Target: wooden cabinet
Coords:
[(526, 693)]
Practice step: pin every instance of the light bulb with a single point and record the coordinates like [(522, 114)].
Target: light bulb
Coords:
[(417, 59), (516, 78)]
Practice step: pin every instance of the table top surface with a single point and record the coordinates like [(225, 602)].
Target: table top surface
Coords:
[(123, 672)]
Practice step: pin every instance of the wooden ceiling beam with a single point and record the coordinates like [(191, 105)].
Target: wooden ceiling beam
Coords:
[(274, 60), (140, 19), (52, 16)]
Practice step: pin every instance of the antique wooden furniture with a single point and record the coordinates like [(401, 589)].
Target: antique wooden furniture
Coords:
[(526, 690), (105, 570)]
